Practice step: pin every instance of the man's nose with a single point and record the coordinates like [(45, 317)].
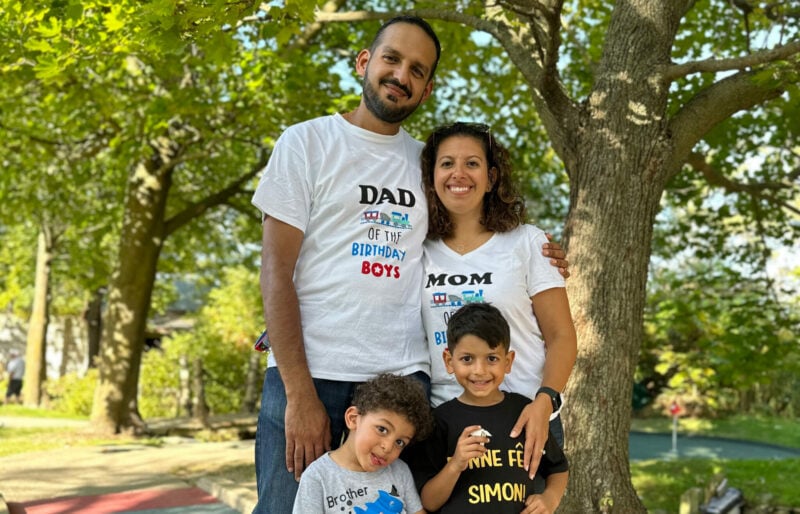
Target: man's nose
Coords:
[(403, 74)]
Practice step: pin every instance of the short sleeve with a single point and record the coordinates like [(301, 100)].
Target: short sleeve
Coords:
[(284, 191), (308, 499)]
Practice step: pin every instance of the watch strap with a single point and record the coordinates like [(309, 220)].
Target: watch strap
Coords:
[(555, 396)]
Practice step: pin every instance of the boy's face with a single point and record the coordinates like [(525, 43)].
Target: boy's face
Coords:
[(479, 369), (377, 438)]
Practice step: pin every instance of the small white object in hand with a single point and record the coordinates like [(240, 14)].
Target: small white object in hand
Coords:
[(481, 432)]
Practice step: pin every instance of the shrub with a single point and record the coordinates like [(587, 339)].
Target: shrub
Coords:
[(72, 394)]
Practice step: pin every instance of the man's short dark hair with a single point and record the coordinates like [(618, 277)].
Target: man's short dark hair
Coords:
[(411, 20), (403, 395), (480, 320)]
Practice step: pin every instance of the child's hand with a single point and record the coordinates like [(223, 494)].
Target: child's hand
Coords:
[(468, 448), (537, 504)]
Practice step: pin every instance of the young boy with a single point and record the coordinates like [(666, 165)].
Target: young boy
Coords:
[(470, 463), (363, 476)]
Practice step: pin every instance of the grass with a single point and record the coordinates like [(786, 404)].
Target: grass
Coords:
[(780, 431), (660, 484), (24, 440), (30, 412)]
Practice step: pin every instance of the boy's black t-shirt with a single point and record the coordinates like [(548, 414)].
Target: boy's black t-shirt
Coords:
[(497, 482)]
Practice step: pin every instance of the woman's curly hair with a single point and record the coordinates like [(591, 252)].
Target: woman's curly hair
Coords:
[(503, 206), (403, 395)]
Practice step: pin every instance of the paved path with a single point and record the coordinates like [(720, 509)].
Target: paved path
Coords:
[(145, 501), (127, 478)]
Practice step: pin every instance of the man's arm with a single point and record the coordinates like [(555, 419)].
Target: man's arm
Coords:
[(558, 257), (308, 433)]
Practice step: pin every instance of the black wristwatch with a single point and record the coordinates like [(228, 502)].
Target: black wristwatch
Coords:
[(554, 395)]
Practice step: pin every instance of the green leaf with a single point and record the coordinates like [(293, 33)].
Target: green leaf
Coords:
[(113, 20), (49, 29)]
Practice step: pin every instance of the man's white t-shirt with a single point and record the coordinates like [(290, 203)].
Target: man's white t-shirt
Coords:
[(357, 198), (506, 272)]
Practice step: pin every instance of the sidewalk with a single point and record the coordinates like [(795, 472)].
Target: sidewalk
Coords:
[(165, 479)]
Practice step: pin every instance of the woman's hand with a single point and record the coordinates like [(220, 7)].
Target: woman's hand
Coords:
[(534, 420)]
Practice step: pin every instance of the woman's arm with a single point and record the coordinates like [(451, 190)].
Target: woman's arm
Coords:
[(551, 308)]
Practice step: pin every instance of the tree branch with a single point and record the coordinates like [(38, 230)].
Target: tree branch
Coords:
[(712, 106), (428, 14), (676, 71), (314, 28), (559, 114), (762, 190), (220, 197)]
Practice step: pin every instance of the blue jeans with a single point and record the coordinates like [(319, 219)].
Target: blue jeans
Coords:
[(276, 486), (557, 429)]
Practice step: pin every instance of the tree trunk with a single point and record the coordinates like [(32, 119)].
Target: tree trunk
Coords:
[(616, 185), (129, 295), (609, 246), (68, 347), (36, 349), (185, 394), (94, 326), (199, 406)]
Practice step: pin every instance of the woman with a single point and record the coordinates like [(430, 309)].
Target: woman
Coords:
[(480, 249)]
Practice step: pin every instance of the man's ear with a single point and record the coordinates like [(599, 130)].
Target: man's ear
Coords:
[(351, 417), (362, 59), (427, 92)]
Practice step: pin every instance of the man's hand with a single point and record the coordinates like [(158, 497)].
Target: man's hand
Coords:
[(558, 257), (308, 433)]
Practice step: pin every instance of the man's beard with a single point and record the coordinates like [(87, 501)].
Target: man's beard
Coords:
[(383, 110)]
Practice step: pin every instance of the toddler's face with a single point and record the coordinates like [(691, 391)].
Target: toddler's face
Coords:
[(379, 437)]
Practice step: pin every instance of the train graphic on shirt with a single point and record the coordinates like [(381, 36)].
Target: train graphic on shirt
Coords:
[(394, 219), (442, 299)]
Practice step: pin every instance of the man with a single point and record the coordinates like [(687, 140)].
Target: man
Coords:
[(16, 372), (344, 222)]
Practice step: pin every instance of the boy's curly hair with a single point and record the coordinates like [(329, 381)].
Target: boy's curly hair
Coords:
[(403, 395)]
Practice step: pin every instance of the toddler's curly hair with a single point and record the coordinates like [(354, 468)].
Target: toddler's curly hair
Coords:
[(401, 394)]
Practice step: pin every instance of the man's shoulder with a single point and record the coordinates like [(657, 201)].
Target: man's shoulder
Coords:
[(318, 123)]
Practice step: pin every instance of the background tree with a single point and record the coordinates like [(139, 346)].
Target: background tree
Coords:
[(186, 118)]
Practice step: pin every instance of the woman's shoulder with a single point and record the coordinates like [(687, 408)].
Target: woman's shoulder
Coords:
[(525, 235)]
